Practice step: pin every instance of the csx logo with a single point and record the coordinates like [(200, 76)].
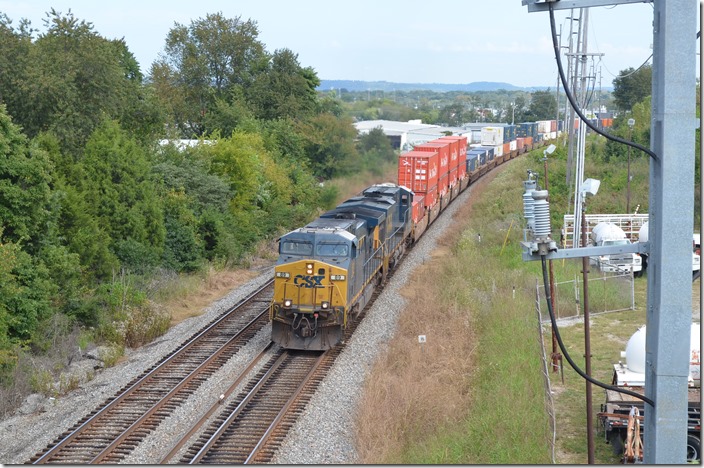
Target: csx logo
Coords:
[(306, 281)]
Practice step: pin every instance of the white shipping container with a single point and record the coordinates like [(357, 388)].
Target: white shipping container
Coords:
[(553, 135), (543, 126), (492, 136), (498, 150), (512, 145)]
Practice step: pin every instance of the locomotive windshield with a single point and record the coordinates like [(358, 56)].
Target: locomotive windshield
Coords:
[(291, 247), (331, 250)]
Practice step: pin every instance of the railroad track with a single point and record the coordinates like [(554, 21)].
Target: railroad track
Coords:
[(252, 427), (111, 432)]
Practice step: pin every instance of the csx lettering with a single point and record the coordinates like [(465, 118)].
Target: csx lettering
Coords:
[(306, 281)]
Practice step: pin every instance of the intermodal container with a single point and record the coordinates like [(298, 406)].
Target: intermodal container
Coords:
[(443, 150), (543, 126), (418, 207), (454, 151), (553, 126), (520, 143), (512, 145), (459, 145), (490, 153), (453, 176), (430, 198), (506, 148), (482, 154), (509, 133), (492, 136), (443, 184), (418, 170), (528, 141), (472, 161), (527, 129), (498, 151)]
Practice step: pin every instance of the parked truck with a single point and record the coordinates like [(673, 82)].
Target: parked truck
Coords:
[(607, 234), (618, 416), (643, 237)]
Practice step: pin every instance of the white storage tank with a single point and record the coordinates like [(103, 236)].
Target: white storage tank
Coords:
[(633, 372)]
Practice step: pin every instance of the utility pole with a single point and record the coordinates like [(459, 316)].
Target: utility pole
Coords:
[(671, 213), (631, 123), (669, 313)]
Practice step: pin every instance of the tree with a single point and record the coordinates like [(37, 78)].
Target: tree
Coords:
[(453, 115), (14, 57), (69, 79), (543, 105), (25, 175), (203, 62), (284, 89), (329, 145), (632, 86), (117, 179)]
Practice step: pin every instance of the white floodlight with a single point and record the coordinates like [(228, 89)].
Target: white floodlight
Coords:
[(590, 187), (631, 122), (549, 150)]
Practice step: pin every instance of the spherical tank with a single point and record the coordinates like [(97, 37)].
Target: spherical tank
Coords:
[(635, 352)]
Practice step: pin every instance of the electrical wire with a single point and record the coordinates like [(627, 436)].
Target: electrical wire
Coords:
[(548, 298), (573, 102)]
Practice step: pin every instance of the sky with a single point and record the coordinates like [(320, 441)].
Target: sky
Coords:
[(404, 41)]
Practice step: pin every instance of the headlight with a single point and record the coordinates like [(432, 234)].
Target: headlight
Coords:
[(325, 305), (337, 277), (309, 268), (283, 274), (288, 303)]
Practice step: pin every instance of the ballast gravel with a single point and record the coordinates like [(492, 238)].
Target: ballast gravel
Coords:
[(324, 434)]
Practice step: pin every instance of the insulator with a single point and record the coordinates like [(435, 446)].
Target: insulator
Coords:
[(528, 203), (541, 213)]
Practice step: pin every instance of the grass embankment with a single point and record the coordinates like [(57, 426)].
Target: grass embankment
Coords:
[(474, 393)]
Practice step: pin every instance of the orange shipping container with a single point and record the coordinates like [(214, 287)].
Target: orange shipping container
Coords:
[(418, 170), (430, 198), (507, 149), (520, 142), (453, 177), (462, 171), (443, 184), (454, 150), (418, 207), (461, 148), (443, 150), (528, 140)]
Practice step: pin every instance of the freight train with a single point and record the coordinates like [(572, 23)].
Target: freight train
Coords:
[(328, 270)]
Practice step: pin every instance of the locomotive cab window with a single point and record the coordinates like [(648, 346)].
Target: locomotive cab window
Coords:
[(296, 248), (331, 250)]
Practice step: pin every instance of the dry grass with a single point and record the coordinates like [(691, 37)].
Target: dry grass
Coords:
[(441, 402)]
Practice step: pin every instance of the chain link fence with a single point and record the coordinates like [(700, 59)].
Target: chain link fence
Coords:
[(608, 292)]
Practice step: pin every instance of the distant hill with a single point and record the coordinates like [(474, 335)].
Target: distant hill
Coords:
[(355, 85)]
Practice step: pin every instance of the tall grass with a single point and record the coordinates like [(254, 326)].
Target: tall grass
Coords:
[(474, 392)]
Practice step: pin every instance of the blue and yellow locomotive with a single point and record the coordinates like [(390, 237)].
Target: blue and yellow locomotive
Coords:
[(328, 270)]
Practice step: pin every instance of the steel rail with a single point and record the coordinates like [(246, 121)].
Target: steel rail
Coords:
[(176, 353)]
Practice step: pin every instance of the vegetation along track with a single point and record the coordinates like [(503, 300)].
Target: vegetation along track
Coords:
[(111, 432)]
